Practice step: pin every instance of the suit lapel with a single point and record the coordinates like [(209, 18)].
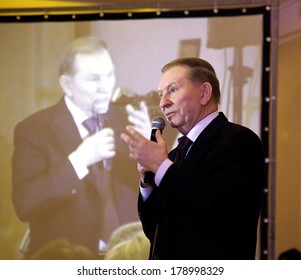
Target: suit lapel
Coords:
[(64, 128), (205, 140)]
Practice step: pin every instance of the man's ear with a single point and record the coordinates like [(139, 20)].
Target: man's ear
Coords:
[(206, 93), (65, 83)]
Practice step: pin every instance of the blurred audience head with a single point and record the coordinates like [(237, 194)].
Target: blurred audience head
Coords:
[(123, 233), (135, 248), (128, 242), (291, 254), (63, 249)]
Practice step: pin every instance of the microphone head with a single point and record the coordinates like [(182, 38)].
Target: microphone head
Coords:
[(158, 123)]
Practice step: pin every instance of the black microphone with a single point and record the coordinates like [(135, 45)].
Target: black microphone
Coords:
[(157, 123), (100, 108)]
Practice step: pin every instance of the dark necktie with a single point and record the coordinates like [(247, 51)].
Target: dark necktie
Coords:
[(102, 181), (182, 149), (91, 125)]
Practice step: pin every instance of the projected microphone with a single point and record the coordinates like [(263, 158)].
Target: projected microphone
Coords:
[(157, 123), (100, 108)]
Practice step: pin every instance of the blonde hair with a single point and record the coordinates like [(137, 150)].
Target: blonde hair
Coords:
[(128, 242), (135, 248), (123, 233), (63, 249)]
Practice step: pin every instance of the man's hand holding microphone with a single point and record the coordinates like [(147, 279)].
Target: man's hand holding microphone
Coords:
[(100, 146), (97, 147)]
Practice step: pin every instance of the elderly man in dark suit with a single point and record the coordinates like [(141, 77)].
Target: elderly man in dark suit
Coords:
[(68, 181), (205, 206)]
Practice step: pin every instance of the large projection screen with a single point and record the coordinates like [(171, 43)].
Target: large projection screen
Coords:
[(29, 54)]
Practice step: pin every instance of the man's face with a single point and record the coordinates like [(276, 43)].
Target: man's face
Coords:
[(181, 100), (93, 77)]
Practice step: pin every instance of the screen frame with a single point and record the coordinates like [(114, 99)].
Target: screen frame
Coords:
[(268, 92)]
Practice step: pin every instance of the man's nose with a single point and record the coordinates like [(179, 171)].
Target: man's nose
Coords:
[(104, 87), (164, 101)]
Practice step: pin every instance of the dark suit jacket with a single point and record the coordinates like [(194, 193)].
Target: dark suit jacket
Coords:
[(209, 207), (47, 193)]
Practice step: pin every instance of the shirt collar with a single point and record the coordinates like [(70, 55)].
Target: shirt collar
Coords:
[(78, 116), (200, 126)]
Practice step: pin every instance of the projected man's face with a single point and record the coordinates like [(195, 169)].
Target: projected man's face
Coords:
[(93, 77)]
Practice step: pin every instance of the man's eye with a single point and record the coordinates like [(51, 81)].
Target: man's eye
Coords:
[(173, 89)]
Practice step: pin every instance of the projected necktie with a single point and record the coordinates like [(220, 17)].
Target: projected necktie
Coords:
[(102, 180), (91, 125)]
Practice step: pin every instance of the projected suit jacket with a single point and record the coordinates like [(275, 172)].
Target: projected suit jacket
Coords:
[(209, 207), (47, 192)]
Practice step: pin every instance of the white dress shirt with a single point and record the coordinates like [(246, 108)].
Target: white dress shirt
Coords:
[(79, 117)]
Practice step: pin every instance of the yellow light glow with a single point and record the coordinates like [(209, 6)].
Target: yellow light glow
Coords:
[(24, 4)]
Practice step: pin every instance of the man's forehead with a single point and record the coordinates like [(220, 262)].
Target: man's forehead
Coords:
[(172, 76), (99, 61), (96, 56)]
